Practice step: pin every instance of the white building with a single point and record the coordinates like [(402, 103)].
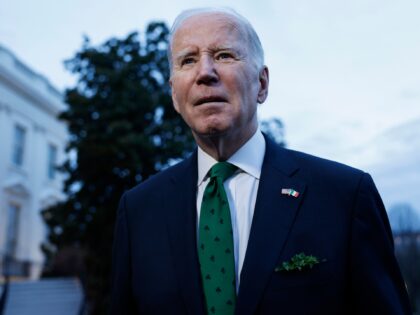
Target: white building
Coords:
[(32, 143)]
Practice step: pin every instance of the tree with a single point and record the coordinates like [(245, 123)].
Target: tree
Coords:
[(123, 128), (405, 224)]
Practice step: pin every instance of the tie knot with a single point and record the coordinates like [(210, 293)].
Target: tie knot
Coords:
[(222, 170)]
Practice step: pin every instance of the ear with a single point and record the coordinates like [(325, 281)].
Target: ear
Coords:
[(174, 102), (264, 79)]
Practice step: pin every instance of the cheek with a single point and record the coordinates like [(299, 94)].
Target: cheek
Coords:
[(180, 93), (244, 81), (177, 98)]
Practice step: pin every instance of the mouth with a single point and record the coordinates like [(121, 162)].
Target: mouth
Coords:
[(210, 99)]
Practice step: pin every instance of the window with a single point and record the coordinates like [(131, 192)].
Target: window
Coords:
[(52, 161), (12, 229), (19, 145)]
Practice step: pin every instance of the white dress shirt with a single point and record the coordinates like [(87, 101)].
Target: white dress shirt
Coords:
[(241, 190)]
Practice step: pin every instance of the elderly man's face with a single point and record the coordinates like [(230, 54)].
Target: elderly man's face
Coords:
[(215, 84)]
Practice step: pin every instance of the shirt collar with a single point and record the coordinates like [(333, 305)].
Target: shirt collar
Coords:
[(249, 158)]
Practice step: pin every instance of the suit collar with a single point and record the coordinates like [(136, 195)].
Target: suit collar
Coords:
[(181, 222), (274, 217), (248, 158), (279, 158)]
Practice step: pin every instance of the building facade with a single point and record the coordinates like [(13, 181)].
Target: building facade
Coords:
[(32, 143)]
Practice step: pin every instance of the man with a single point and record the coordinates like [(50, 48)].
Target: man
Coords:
[(244, 226)]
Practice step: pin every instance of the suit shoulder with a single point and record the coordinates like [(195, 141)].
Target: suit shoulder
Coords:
[(161, 180), (289, 161), (332, 178), (323, 167)]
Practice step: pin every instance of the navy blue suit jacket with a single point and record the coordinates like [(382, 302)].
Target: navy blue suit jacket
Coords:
[(338, 216)]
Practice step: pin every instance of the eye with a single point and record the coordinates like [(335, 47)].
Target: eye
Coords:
[(224, 56), (187, 61)]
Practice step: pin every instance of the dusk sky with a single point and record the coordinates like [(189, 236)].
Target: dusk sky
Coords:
[(342, 73)]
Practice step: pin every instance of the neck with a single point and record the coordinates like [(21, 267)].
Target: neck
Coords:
[(222, 147)]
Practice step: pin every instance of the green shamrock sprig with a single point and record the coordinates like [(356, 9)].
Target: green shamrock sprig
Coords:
[(298, 262)]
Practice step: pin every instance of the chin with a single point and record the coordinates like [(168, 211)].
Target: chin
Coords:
[(212, 131)]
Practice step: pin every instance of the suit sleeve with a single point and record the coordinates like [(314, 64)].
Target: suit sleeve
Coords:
[(377, 286), (121, 297)]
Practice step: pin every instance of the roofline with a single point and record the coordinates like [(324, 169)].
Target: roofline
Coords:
[(19, 75)]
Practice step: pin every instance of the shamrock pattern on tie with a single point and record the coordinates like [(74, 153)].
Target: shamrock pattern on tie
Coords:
[(215, 248)]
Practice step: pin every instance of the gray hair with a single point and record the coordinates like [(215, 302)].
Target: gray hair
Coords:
[(257, 52)]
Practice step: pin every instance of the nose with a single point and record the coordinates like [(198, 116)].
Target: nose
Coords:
[(207, 73)]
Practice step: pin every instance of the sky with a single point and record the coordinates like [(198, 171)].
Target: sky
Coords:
[(342, 73)]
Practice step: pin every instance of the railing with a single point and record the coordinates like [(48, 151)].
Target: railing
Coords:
[(4, 294), (10, 266)]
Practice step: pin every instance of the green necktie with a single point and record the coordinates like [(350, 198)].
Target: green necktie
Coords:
[(215, 248)]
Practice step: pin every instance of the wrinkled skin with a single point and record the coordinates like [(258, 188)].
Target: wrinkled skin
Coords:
[(216, 85)]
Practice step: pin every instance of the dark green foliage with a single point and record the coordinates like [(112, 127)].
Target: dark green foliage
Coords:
[(299, 262), (123, 129)]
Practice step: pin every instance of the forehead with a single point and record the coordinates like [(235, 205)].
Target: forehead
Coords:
[(208, 29)]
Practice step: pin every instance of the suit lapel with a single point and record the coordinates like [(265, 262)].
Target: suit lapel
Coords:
[(274, 216), (181, 222)]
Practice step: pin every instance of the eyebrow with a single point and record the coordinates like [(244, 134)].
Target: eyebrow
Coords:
[(221, 48), (237, 53), (188, 52), (185, 53)]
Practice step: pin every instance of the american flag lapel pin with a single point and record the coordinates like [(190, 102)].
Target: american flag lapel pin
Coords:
[(290, 192)]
